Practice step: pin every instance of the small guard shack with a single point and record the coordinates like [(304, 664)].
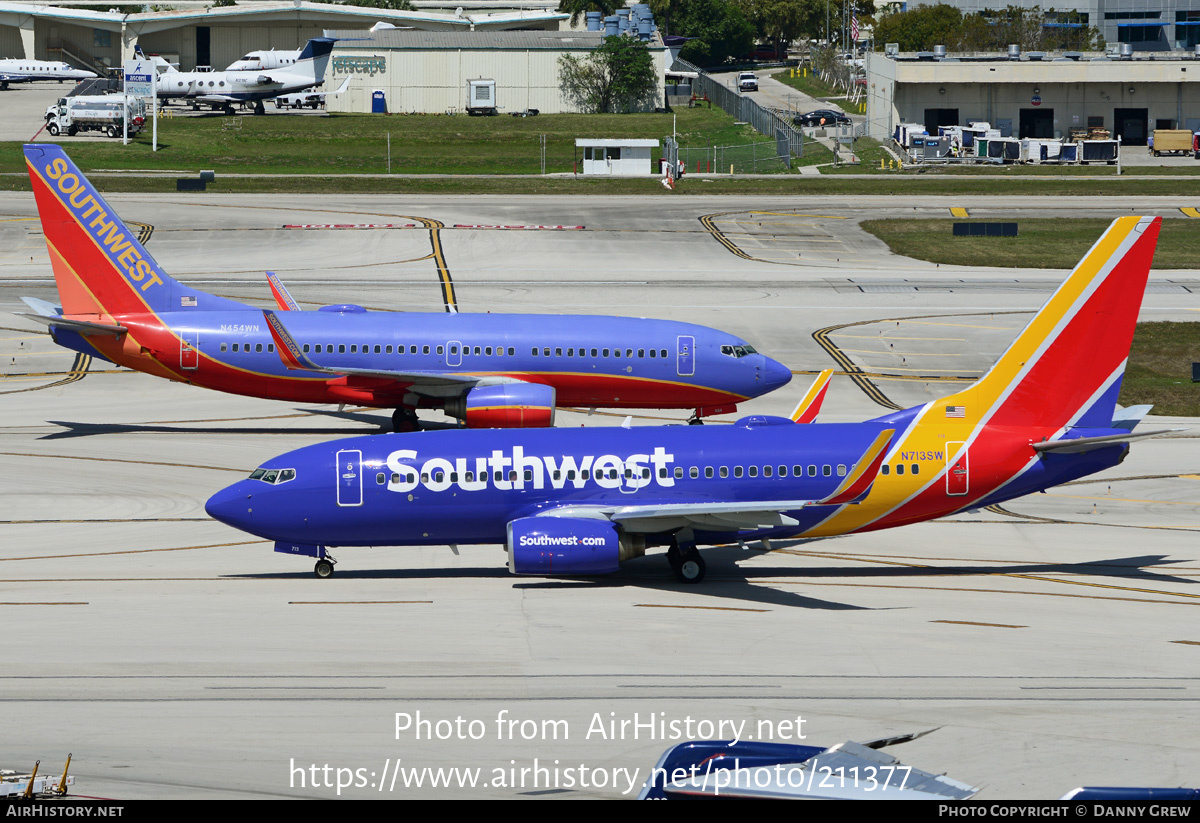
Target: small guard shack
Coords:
[(618, 157)]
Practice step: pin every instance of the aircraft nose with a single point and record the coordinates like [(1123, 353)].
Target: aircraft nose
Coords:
[(774, 375), (233, 506)]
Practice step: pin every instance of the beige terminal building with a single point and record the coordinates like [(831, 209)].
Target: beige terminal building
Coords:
[(1034, 95)]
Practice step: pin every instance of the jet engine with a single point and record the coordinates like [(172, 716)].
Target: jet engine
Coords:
[(505, 406), (568, 545)]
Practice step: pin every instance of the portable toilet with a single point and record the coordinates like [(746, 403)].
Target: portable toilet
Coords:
[(378, 102)]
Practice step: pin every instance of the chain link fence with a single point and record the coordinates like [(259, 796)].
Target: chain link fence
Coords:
[(749, 158), (744, 109)]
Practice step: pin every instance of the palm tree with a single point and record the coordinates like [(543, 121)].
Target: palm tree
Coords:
[(577, 8)]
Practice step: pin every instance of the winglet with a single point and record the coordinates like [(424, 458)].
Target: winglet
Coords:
[(810, 405), (282, 298), (858, 482), (289, 350)]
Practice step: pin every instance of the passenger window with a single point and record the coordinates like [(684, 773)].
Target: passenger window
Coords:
[(558, 352), (899, 468), (693, 472), (546, 351), (654, 352), (477, 350), (753, 471), (511, 351), (412, 349), (737, 471), (593, 352), (424, 350), (708, 472), (841, 470), (916, 468), (766, 471), (354, 349), (424, 477), (585, 474), (454, 349), (512, 476), (440, 349), (783, 471), (470, 477), (381, 478), (571, 352), (528, 475), (533, 352), (724, 471), (812, 471), (305, 348), (258, 347), (641, 352), (395, 478), (885, 470), (662, 472), (488, 350), (453, 477), (662, 353), (679, 472), (389, 349), (342, 348), (223, 347), (826, 470)]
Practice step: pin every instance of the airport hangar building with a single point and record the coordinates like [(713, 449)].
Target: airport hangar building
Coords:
[(427, 71), (204, 36), (1034, 95)]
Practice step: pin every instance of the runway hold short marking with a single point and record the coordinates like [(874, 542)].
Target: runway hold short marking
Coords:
[(515, 228), (354, 226)]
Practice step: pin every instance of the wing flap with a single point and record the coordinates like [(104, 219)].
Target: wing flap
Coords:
[(1078, 445)]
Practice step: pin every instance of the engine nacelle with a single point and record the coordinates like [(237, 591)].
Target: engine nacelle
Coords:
[(565, 545), (505, 406)]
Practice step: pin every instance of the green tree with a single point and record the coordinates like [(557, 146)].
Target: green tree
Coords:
[(618, 76), (921, 28), (391, 5), (719, 28), (578, 8), (779, 22)]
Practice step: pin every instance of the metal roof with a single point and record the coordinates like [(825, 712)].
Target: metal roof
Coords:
[(636, 142), (494, 40)]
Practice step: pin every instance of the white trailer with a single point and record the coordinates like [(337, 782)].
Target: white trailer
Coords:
[(481, 97)]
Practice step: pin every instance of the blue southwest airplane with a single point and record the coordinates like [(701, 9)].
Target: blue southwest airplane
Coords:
[(488, 370), (579, 501)]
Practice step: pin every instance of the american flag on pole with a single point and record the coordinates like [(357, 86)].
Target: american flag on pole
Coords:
[(956, 411), (854, 28)]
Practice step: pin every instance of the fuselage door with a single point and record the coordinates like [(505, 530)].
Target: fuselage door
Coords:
[(686, 355), (957, 473), (189, 350), (631, 477), (454, 353), (349, 477)]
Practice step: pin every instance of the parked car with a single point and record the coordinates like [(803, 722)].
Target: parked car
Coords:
[(747, 81), (814, 118)]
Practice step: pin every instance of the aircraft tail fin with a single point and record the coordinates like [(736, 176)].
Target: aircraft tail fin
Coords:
[(100, 266), (1065, 369), (314, 58)]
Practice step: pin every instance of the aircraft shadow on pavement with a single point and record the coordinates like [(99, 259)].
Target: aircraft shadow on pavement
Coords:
[(378, 425), (727, 581)]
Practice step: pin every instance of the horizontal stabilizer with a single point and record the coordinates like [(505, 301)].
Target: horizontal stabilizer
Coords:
[(1129, 417), (81, 326), (1079, 445)]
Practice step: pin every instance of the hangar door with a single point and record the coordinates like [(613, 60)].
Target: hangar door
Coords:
[(1036, 124), (940, 117), (1131, 125)]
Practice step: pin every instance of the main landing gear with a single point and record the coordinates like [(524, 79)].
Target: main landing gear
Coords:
[(685, 559), (696, 419), (258, 107), (405, 419)]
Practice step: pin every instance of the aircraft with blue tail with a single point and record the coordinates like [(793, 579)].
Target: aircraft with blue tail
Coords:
[(581, 501), (486, 370)]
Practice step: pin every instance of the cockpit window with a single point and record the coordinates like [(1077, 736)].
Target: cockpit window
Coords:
[(273, 476), (737, 351)]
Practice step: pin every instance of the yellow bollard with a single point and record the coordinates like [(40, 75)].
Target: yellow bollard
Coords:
[(731, 168), (881, 164)]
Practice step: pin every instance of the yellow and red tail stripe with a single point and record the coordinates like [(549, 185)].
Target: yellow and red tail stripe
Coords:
[(858, 482)]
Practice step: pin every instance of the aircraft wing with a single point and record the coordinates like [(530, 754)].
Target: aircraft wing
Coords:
[(652, 518), (422, 382)]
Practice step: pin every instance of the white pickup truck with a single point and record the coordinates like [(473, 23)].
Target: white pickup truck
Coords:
[(747, 81)]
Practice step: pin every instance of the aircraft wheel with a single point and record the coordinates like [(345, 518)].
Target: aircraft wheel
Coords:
[(323, 569), (53, 129), (405, 420), (690, 569)]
